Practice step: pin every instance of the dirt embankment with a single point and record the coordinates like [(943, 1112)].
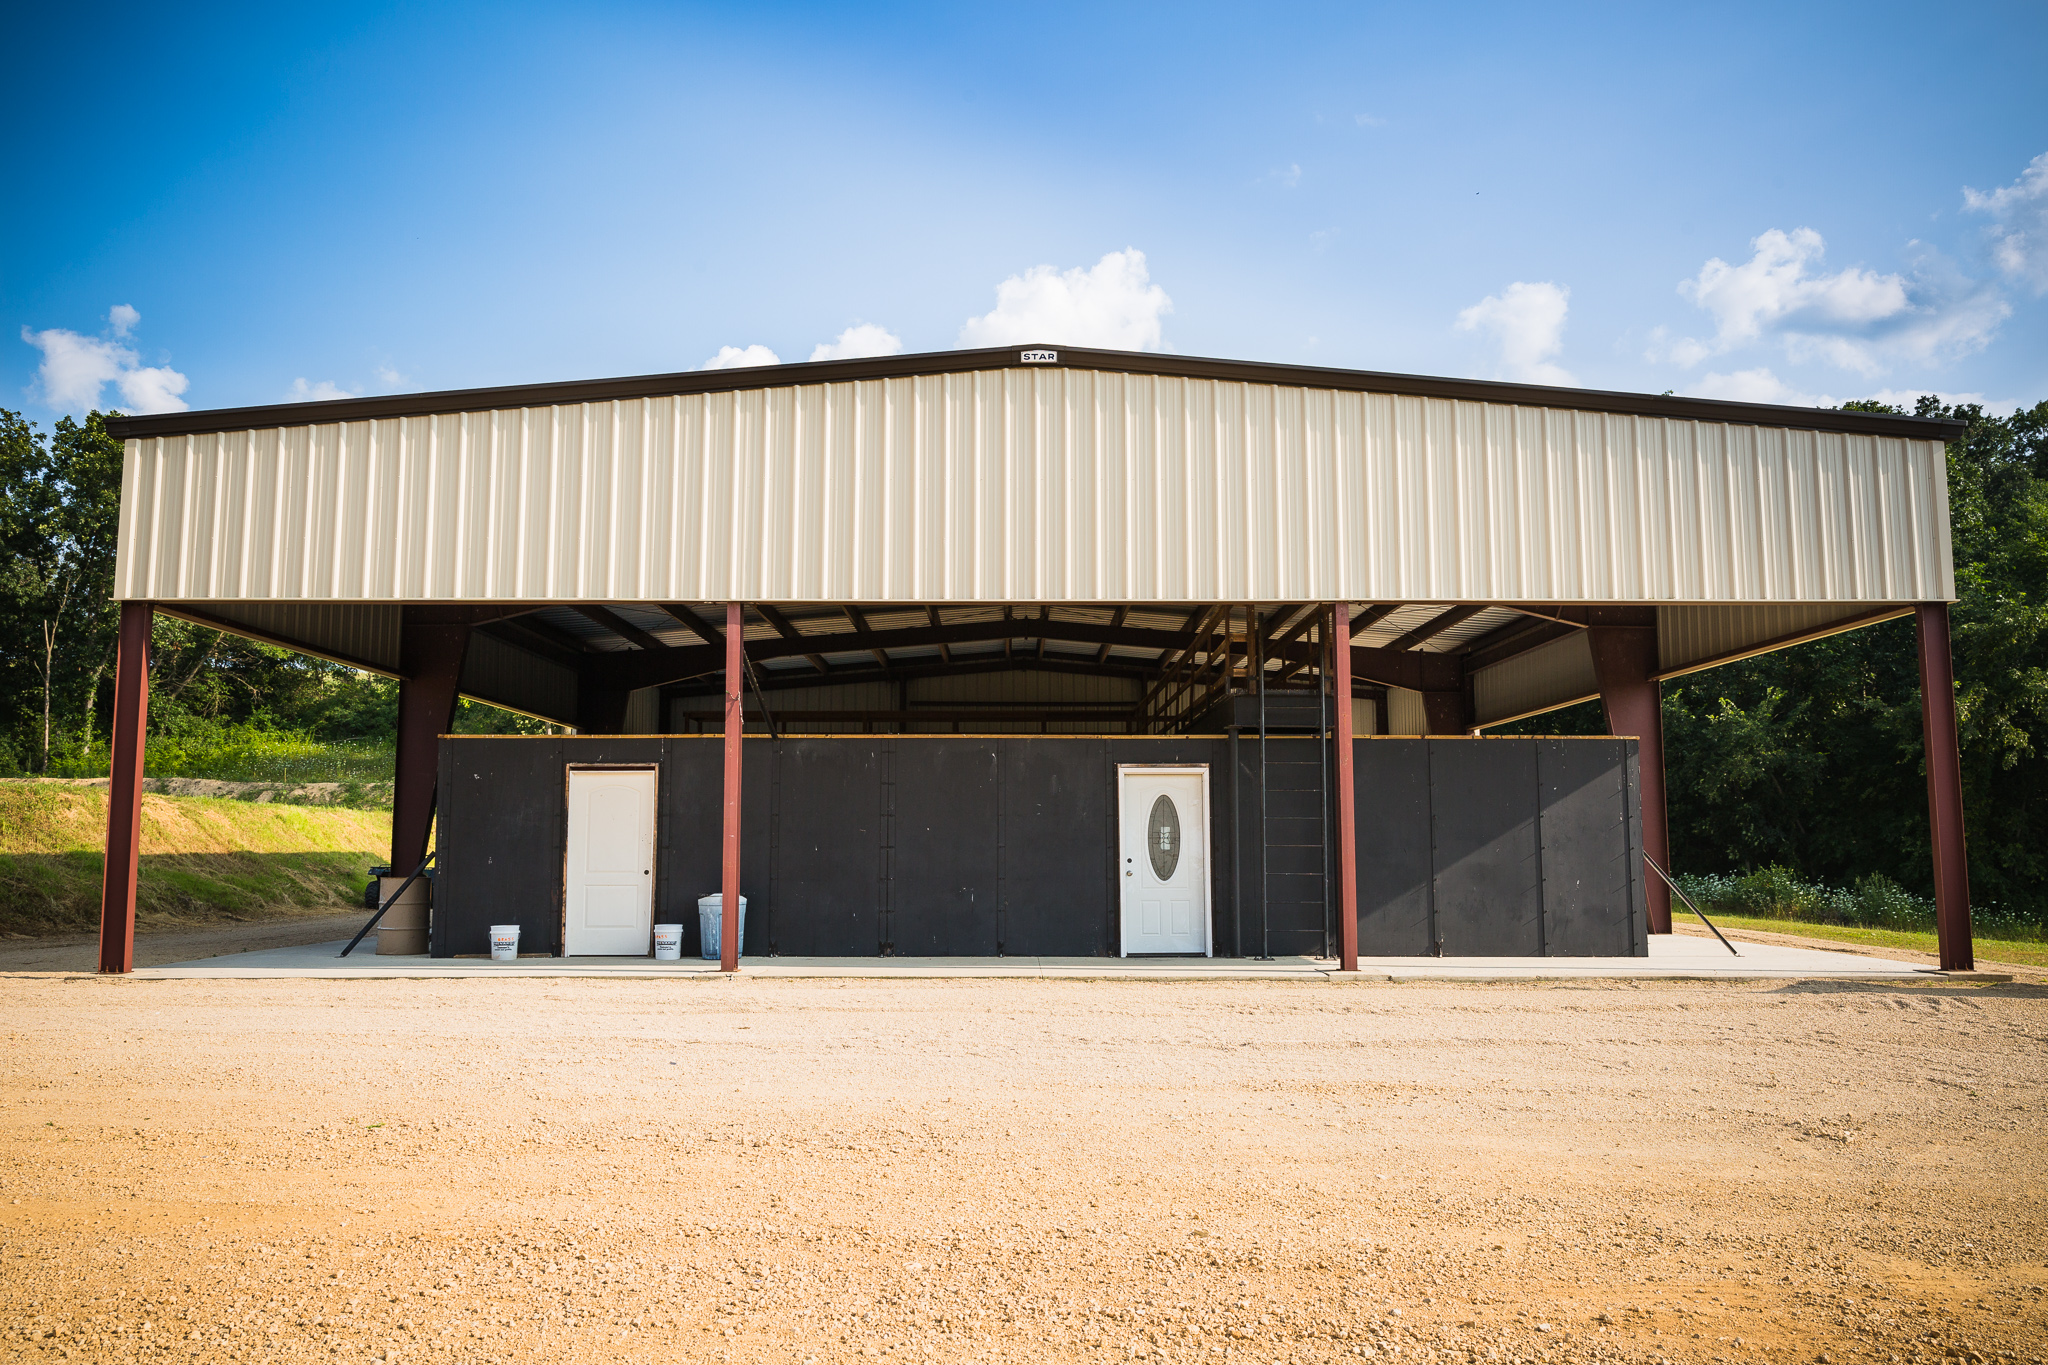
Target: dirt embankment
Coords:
[(205, 861), (777, 1171)]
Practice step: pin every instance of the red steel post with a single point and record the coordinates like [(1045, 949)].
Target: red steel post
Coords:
[(1944, 790), (735, 722), (124, 790), (1625, 668), (431, 645), (1347, 805)]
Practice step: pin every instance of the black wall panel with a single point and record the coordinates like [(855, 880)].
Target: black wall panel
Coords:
[(1055, 887), (1390, 781), (962, 846), (826, 886), (1587, 853), (943, 891), (1483, 821)]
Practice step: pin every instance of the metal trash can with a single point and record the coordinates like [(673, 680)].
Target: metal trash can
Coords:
[(711, 924), (403, 930)]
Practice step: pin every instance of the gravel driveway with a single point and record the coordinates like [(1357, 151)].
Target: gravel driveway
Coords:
[(758, 1170)]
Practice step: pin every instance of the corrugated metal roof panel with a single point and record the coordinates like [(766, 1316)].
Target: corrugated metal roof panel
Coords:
[(1054, 485)]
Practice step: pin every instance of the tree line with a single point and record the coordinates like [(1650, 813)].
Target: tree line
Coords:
[(1808, 758)]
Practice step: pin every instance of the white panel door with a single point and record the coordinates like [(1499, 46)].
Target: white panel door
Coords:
[(1163, 855), (611, 863)]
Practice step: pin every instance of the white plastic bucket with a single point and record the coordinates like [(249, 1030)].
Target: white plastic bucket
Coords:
[(668, 943), (711, 925), (504, 943)]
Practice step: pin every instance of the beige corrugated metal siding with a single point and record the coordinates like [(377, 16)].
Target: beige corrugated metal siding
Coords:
[(1406, 714), (1689, 636), (1034, 485), (1549, 675)]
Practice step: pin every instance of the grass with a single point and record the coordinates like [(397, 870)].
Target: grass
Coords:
[(204, 860), (2019, 952)]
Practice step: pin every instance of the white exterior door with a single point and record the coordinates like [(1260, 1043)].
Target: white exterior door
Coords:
[(1163, 856), (610, 892)]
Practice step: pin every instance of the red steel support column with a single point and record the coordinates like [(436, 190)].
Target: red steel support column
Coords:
[(1347, 805), (1944, 790), (1625, 666), (124, 790), (735, 723), (431, 646)]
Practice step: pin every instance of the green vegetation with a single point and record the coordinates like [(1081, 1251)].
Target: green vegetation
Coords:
[(220, 706), (2019, 952), (203, 860)]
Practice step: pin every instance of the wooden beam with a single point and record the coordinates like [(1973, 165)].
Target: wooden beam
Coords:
[(931, 614)]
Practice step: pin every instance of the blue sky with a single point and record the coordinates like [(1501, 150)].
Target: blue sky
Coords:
[(1800, 204)]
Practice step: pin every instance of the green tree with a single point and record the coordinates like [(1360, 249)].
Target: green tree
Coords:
[(59, 509)]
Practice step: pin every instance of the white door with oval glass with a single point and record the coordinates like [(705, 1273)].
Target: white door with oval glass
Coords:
[(609, 903), (1163, 858)]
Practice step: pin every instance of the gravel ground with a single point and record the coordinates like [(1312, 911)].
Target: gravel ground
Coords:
[(815, 1171)]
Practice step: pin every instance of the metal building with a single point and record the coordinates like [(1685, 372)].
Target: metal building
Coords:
[(1043, 541)]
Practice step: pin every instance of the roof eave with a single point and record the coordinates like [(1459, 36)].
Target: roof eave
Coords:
[(1011, 357)]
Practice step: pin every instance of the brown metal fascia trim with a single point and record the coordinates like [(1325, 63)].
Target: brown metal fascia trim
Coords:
[(1011, 357)]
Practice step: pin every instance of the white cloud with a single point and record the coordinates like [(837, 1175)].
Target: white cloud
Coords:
[(1755, 386), (861, 339), (733, 357), (1369, 121), (76, 368), (1289, 177), (1761, 386), (389, 377), (302, 392), (1113, 305), (1852, 319), (1527, 320), (2019, 229)]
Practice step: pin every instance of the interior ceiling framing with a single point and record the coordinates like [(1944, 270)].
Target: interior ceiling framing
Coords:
[(813, 644)]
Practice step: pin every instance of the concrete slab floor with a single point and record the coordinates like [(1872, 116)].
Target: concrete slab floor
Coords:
[(1671, 956)]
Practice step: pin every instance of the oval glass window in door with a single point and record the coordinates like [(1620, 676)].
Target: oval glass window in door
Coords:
[(1162, 837)]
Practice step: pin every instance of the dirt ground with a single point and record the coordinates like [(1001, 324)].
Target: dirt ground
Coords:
[(1021, 1170), (187, 943)]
